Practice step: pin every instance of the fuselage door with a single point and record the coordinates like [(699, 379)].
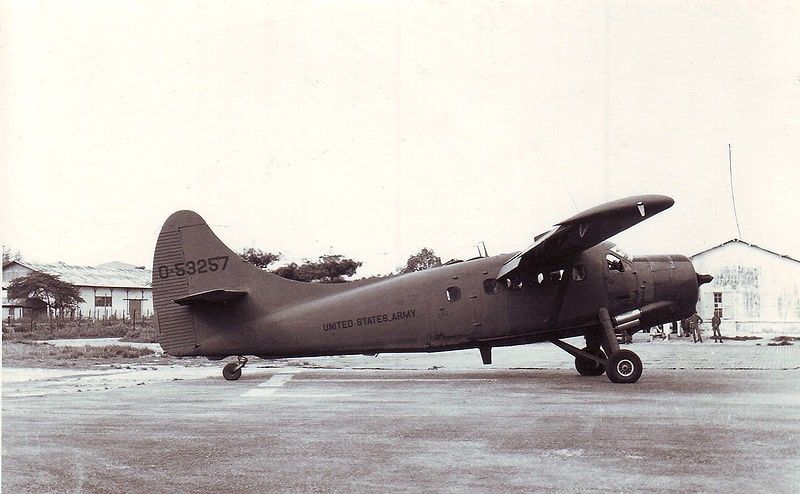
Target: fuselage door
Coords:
[(621, 280), (453, 308)]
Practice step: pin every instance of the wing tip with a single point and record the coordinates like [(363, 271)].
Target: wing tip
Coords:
[(647, 205)]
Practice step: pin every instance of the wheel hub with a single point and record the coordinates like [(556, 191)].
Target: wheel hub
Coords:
[(625, 368)]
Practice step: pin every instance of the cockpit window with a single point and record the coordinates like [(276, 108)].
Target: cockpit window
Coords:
[(620, 253), (614, 263)]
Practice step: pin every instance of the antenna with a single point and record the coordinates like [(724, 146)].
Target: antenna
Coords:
[(733, 196)]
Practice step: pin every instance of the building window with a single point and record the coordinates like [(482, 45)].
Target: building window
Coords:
[(579, 272), (102, 301), (718, 304), (490, 286), (453, 294)]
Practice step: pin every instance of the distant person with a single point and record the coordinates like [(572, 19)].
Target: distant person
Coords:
[(694, 327), (684, 327), (715, 322)]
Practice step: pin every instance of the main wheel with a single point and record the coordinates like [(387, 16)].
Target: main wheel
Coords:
[(624, 367), (232, 371), (588, 367)]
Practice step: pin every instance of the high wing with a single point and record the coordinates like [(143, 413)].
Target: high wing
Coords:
[(585, 230)]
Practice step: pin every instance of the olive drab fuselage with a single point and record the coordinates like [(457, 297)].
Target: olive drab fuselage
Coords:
[(455, 306), (569, 282)]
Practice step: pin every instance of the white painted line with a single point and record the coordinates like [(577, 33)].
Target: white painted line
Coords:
[(268, 387)]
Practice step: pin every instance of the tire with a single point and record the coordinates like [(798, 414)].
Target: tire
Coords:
[(588, 367), (232, 371), (624, 367)]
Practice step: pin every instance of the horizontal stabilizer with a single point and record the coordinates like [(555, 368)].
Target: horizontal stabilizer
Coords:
[(210, 297)]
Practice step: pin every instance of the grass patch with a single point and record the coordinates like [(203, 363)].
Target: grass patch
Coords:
[(145, 331), (783, 340), (742, 338), (26, 353)]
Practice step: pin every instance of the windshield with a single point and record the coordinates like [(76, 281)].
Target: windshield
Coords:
[(621, 253)]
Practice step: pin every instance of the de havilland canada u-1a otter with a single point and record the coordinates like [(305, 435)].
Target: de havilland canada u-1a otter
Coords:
[(570, 282)]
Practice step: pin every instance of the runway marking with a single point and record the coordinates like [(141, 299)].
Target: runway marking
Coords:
[(268, 387)]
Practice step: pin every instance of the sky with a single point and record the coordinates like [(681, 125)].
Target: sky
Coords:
[(373, 129)]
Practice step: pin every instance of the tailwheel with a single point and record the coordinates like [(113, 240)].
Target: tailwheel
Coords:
[(624, 366), (233, 370), (589, 367)]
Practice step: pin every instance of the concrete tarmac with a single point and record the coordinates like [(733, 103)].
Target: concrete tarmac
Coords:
[(398, 424)]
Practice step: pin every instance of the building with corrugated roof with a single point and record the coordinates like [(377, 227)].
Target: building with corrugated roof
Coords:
[(109, 290), (755, 290)]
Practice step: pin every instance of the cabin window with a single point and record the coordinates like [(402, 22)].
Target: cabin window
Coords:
[(102, 301), (614, 263), (453, 294), (551, 277), (579, 272), (490, 286)]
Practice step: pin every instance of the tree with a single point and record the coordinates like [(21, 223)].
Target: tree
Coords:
[(289, 271), (329, 269), (258, 257), (50, 289), (424, 259)]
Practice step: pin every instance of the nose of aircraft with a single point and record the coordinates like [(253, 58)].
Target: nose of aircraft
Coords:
[(702, 279)]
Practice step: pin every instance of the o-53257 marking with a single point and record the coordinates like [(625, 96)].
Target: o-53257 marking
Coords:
[(199, 266)]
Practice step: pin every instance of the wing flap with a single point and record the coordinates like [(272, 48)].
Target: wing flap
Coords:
[(585, 230), (210, 297)]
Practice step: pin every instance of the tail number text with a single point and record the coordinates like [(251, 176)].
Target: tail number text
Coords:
[(200, 266)]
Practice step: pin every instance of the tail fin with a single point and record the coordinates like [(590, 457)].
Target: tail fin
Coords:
[(189, 262), (205, 295)]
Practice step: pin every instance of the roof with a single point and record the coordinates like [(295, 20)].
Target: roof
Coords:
[(93, 276), (736, 240), (27, 303)]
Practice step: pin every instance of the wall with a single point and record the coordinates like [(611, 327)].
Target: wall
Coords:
[(119, 307), (14, 312), (12, 272), (761, 291)]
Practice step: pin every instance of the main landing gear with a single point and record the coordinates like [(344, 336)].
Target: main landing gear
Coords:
[(233, 370), (623, 366)]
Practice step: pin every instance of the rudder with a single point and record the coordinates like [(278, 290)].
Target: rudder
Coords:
[(188, 258)]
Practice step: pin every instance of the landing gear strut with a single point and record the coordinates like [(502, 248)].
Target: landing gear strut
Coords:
[(233, 370), (622, 366), (589, 367)]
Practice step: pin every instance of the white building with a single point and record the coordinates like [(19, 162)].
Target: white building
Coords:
[(754, 289), (113, 289)]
